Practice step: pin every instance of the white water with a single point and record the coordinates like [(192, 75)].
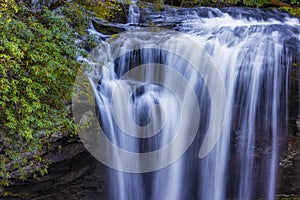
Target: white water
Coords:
[(133, 12), (253, 59)]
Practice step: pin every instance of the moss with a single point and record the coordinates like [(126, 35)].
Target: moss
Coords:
[(292, 10), (104, 10), (113, 37)]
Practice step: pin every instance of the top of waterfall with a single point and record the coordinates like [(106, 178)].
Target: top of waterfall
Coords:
[(176, 15)]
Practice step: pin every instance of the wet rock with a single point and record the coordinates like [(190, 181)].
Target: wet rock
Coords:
[(107, 28)]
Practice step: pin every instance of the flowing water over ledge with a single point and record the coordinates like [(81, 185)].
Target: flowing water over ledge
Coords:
[(254, 52)]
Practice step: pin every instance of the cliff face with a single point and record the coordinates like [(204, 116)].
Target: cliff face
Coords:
[(73, 174)]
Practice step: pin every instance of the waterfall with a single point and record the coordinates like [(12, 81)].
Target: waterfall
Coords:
[(148, 89), (133, 12)]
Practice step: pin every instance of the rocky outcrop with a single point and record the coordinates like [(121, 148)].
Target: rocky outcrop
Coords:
[(108, 28), (73, 174)]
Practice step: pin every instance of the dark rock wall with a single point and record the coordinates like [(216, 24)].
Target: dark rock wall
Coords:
[(74, 174)]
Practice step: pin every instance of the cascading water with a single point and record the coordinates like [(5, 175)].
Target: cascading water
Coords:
[(133, 12), (253, 52)]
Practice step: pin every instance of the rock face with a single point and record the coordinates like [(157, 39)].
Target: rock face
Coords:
[(107, 28), (73, 174)]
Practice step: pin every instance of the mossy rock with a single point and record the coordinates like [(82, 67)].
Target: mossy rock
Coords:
[(107, 28)]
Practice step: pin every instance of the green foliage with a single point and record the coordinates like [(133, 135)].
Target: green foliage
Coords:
[(37, 71), (92, 41), (292, 10), (77, 16), (102, 9), (8, 8), (295, 2), (257, 3)]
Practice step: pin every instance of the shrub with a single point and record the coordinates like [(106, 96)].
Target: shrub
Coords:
[(37, 70)]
